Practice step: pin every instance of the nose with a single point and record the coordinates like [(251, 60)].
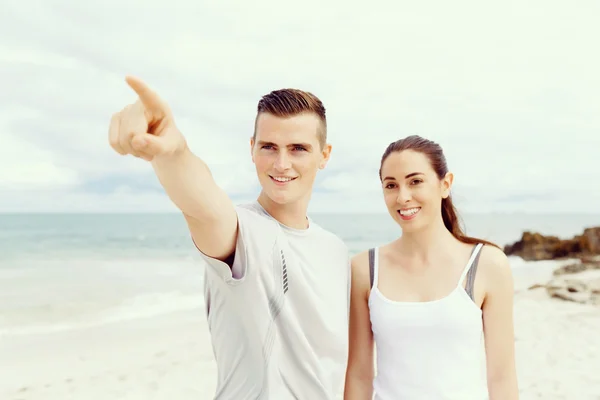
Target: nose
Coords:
[(282, 162), (403, 196)]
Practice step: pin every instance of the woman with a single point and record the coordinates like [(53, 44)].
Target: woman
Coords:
[(428, 299)]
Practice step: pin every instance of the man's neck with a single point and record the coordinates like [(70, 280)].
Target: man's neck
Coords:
[(292, 215)]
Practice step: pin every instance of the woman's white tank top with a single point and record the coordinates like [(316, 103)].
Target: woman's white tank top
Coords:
[(429, 350)]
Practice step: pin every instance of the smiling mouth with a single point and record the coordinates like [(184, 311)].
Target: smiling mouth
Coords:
[(409, 213), (282, 179)]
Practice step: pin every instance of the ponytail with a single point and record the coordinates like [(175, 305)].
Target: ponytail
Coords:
[(452, 223)]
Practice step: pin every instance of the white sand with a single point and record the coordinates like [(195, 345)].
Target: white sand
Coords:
[(169, 357), (160, 358)]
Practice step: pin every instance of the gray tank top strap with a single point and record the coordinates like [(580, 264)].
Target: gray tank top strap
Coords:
[(371, 265), (471, 275)]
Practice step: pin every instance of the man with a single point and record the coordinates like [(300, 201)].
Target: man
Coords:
[(276, 284)]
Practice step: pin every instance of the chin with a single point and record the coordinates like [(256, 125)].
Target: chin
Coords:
[(410, 226), (283, 195), (280, 197)]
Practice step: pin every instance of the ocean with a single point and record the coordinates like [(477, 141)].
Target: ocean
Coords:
[(66, 271)]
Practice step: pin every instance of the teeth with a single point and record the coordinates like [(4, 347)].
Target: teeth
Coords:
[(410, 211), (282, 179)]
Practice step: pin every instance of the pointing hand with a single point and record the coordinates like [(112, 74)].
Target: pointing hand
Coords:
[(146, 128)]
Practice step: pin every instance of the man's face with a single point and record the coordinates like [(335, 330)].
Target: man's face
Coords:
[(287, 155)]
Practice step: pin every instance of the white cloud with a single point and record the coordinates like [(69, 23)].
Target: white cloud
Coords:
[(23, 165), (510, 91)]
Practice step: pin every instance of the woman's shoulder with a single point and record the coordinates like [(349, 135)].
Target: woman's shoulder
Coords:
[(493, 264), (360, 262), (361, 270), (493, 257)]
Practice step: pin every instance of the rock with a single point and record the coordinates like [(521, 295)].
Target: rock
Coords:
[(577, 267), (536, 286), (592, 237), (579, 283), (585, 259), (535, 246), (594, 286), (571, 290)]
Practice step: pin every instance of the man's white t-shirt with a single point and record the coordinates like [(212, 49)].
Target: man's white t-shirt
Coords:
[(279, 317)]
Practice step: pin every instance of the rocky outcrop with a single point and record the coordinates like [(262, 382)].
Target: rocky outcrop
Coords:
[(534, 246)]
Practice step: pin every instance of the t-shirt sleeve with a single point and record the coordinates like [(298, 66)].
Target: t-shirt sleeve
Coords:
[(239, 269)]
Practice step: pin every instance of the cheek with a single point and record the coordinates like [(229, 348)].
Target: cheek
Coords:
[(390, 198), (306, 165), (262, 161), (430, 195)]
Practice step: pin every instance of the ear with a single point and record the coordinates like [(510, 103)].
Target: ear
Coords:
[(325, 154), (252, 148), (447, 184)]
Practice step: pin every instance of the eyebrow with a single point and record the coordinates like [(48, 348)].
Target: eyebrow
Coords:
[(406, 177)]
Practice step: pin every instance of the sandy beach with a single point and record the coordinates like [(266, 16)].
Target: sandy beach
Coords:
[(169, 357)]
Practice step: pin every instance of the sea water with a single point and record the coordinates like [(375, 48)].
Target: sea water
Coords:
[(66, 271)]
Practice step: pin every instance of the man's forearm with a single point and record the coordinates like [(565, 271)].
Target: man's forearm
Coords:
[(503, 389), (358, 388), (189, 183)]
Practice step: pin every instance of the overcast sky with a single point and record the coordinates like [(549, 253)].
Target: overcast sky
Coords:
[(511, 90)]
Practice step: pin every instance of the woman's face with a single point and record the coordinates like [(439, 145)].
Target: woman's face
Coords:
[(412, 191)]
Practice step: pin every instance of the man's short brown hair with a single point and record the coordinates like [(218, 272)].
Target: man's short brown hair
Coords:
[(291, 102)]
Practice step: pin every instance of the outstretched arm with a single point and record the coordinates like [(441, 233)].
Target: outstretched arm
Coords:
[(360, 369), (498, 326), (147, 129)]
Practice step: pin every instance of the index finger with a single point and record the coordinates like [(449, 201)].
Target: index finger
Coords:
[(148, 97)]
